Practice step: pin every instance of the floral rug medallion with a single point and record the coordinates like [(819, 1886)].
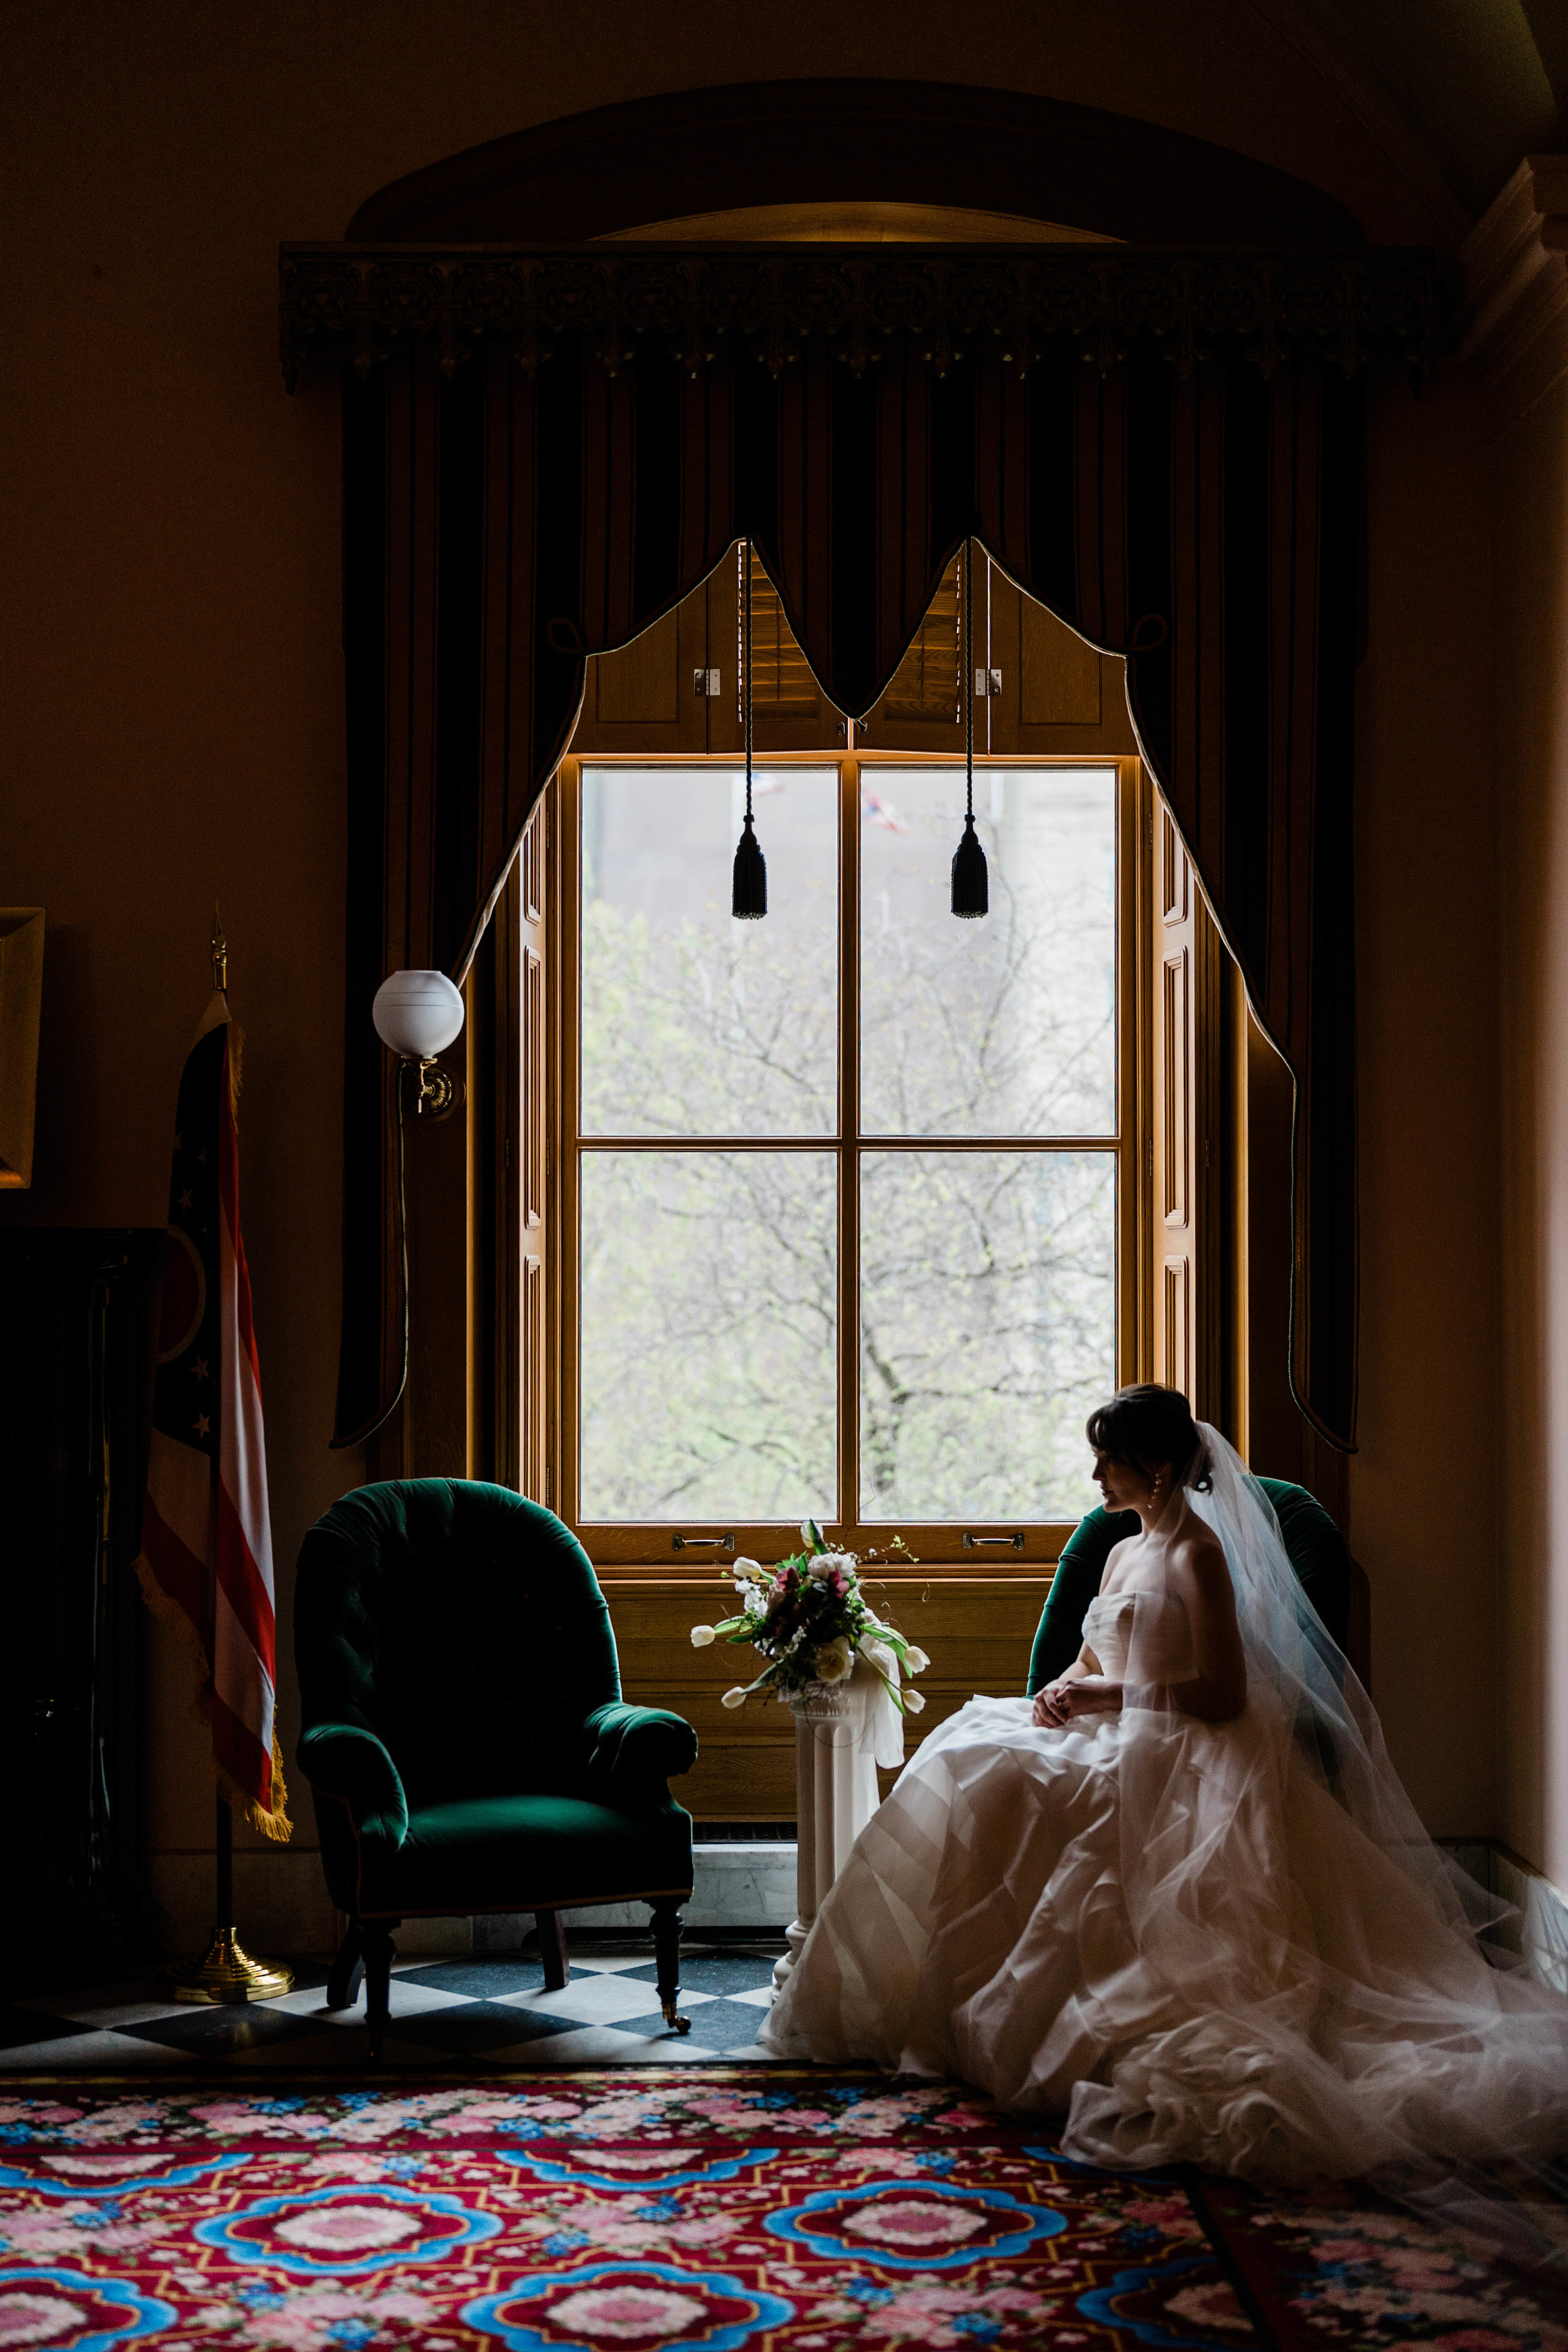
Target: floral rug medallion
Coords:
[(749, 2209)]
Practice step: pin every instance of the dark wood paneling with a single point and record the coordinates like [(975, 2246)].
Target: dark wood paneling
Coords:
[(977, 1635)]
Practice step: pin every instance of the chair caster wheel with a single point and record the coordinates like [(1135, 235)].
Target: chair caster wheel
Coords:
[(675, 2024)]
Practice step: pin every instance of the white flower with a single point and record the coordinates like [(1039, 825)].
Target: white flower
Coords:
[(701, 1635), (811, 1534), (745, 1570), (914, 1701), (736, 1697), (834, 1662), (915, 1661), (826, 1562)]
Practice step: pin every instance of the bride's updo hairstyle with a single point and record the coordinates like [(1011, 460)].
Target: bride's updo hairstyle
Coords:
[(1146, 1427)]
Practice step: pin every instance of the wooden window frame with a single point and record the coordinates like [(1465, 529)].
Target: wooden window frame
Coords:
[(645, 1548)]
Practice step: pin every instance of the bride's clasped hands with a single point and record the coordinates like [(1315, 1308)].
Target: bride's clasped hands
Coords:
[(1074, 1696)]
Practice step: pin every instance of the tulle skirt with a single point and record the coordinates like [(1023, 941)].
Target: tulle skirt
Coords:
[(1165, 1932)]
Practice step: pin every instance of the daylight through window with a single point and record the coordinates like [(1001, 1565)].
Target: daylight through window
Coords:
[(844, 1183)]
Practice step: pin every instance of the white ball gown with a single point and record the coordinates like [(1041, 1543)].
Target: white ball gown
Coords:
[(1229, 1944)]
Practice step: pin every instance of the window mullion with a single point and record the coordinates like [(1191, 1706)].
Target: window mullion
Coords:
[(848, 1145)]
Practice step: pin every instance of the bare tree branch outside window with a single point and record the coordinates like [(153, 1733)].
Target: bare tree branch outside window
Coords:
[(709, 1302)]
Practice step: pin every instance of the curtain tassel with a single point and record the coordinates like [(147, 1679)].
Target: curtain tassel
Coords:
[(749, 891), (748, 887), (971, 879)]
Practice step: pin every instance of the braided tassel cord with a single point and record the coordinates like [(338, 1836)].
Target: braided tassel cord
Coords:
[(749, 884), (971, 877)]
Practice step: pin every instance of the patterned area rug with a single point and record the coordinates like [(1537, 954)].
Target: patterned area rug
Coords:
[(732, 2209), (1337, 2270)]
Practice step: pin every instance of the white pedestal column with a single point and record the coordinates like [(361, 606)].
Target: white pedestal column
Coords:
[(835, 1791)]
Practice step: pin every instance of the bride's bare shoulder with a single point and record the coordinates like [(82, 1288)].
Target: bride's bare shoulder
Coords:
[(1116, 1560), (1198, 1555)]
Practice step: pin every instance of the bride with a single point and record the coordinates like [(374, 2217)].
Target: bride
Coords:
[(1181, 1895)]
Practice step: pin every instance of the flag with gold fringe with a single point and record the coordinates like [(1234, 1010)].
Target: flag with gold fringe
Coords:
[(207, 1546)]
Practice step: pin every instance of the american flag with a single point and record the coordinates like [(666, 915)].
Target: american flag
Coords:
[(207, 1544)]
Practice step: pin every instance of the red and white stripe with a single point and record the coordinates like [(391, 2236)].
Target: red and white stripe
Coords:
[(209, 1546), (244, 1650)]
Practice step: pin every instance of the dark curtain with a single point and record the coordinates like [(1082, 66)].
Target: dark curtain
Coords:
[(501, 524)]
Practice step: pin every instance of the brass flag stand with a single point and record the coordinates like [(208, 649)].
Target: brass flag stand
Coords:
[(225, 1971)]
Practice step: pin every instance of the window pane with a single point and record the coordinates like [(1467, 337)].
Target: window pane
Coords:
[(693, 1024), (987, 1330), (1004, 1026), (709, 1334)]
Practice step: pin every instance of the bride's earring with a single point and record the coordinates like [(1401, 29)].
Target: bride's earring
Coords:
[(1156, 1495)]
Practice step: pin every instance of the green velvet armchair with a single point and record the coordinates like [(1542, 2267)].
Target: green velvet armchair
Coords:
[(464, 1735), (1331, 1579)]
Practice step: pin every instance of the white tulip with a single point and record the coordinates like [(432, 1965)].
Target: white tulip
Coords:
[(916, 1661), (914, 1700), (701, 1635), (736, 1697), (745, 1569)]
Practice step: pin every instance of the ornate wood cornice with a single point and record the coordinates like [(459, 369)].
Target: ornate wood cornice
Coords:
[(1513, 285), (361, 304)]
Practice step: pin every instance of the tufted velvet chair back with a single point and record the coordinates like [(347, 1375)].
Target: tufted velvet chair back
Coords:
[(461, 1624)]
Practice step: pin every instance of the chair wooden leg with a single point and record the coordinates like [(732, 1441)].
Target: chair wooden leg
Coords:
[(377, 1946), (348, 1968), (552, 1949), (667, 1956)]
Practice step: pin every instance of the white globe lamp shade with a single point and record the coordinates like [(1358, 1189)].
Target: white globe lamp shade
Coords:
[(417, 1013)]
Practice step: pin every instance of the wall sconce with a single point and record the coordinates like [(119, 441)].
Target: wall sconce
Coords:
[(417, 1014)]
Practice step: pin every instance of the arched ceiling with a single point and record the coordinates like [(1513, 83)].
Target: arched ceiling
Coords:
[(1474, 84)]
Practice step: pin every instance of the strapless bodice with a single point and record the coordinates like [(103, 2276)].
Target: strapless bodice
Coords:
[(1166, 1641)]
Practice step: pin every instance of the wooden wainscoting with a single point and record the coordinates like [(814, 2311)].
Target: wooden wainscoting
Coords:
[(978, 1631)]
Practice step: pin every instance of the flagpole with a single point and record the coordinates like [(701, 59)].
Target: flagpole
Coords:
[(226, 1972)]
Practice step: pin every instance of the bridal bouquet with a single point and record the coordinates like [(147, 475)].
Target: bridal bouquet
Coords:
[(810, 1620)]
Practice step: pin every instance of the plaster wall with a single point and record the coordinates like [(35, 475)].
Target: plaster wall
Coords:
[(171, 722), (1530, 478), (1424, 1486)]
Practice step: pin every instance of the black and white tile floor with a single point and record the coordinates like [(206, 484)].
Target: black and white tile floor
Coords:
[(445, 2013)]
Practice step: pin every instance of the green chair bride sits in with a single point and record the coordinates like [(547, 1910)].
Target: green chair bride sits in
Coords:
[(1332, 1582), (465, 1737)]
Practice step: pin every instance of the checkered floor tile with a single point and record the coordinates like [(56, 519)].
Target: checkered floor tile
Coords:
[(445, 2013)]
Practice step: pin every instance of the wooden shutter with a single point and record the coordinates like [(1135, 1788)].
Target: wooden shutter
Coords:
[(923, 710), (1186, 1321), (789, 710), (782, 683), (1057, 694), (642, 696), (532, 1195), (929, 682)]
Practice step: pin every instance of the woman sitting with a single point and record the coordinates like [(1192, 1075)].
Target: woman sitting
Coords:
[(1181, 1897)]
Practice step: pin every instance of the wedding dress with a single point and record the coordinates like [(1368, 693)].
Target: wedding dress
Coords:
[(1229, 1944)]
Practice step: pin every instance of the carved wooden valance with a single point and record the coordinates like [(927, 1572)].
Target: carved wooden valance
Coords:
[(364, 305)]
